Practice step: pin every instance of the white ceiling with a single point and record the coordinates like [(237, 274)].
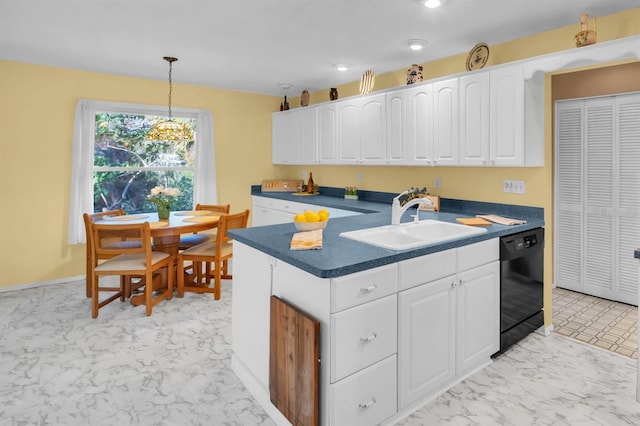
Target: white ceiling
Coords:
[(256, 45)]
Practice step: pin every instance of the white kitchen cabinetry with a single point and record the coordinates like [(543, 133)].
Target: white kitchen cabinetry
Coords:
[(327, 134), (507, 115), (419, 125), (397, 116), (448, 323), (390, 337), (294, 136), (446, 123), (474, 119), (357, 344), (361, 134), (271, 211)]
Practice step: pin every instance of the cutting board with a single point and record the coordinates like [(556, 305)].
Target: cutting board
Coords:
[(293, 363), (473, 221)]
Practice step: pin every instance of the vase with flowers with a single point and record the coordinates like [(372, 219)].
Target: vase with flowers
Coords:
[(163, 197)]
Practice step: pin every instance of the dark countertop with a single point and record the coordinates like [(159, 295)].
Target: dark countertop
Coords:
[(341, 256)]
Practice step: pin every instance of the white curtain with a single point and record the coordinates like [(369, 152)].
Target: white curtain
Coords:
[(204, 181), (81, 196)]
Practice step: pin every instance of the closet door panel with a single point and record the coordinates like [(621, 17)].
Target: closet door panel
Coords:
[(568, 191), (628, 208), (599, 141)]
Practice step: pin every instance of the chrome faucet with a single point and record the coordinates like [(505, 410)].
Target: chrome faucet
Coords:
[(402, 202)]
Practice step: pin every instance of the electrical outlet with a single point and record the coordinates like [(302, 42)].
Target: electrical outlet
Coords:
[(513, 186), (438, 182), (303, 175), (361, 177)]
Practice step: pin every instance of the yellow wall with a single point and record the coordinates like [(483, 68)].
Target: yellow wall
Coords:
[(37, 112), (37, 115)]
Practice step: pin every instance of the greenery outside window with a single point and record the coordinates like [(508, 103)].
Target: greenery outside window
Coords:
[(126, 166), (114, 166)]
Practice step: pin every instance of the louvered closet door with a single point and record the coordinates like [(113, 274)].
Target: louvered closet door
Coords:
[(568, 195), (599, 239), (597, 196), (628, 208)]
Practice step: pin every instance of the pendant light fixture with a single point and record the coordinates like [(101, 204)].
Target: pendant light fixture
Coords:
[(170, 130)]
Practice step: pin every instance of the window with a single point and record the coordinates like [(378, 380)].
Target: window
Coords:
[(113, 166), (126, 166)]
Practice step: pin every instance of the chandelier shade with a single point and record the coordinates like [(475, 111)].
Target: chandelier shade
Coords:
[(170, 130)]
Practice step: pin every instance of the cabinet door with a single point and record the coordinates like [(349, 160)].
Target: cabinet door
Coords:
[(507, 117), (426, 339), (283, 131), (327, 128), (420, 122), (447, 123), (474, 119), (349, 131), (477, 316), (307, 137), (373, 139), (396, 127)]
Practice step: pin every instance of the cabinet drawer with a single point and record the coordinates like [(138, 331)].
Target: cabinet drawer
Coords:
[(362, 336), (427, 268), (362, 287), (366, 398), (477, 254)]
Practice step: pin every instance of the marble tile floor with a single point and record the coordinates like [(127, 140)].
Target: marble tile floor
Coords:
[(59, 367), (604, 323)]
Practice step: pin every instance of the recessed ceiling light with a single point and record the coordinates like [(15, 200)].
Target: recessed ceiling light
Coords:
[(285, 86), (432, 3), (416, 44), (341, 67)]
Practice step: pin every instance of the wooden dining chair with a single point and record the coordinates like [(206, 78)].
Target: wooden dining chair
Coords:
[(187, 241), (127, 260), (217, 253), (88, 220)]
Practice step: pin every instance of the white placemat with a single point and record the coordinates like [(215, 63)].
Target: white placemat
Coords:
[(127, 217), (194, 213)]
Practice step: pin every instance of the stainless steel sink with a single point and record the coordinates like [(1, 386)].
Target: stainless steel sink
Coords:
[(412, 235)]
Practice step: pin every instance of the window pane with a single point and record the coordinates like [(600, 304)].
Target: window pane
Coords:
[(129, 190), (126, 166), (120, 142)]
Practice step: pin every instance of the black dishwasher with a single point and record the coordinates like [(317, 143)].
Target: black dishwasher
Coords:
[(521, 285)]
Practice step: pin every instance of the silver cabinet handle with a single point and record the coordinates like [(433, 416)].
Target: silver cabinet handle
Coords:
[(368, 338), (369, 289), (365, 405)]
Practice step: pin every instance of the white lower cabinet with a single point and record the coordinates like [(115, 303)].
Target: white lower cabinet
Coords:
[(447, 326), (365, 398), (271, 211), (390, 336)]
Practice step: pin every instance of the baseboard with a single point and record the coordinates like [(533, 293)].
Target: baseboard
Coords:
[(42, 283), (258, 392)]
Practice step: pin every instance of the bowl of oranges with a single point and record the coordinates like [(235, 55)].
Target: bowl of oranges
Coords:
[(310, 220)]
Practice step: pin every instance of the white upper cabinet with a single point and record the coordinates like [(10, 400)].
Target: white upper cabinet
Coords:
[(507, 143), (446, 122), (397, 116), (327, 131), (361, 130), (294, 136), (474, 119), (283, 149), (419, 125)]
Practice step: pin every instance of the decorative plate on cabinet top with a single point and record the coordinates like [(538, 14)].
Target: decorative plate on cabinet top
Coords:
[(367, 82), (478, 56)]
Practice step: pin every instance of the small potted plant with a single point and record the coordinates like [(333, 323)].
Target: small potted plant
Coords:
[(163, 197)]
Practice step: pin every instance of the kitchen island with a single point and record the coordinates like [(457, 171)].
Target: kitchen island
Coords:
[(397, 327)]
